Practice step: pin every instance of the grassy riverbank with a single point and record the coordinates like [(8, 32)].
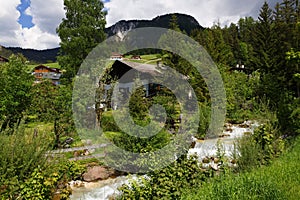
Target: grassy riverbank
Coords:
[(280, 180)]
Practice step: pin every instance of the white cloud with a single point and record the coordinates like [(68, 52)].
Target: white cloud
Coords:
[(46, 16), (206, 12), (8, 19), (35, 38)]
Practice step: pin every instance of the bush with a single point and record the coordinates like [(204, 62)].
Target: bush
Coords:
[(167, 183), (108, 123), (28, 172), (260, 148), (20, 154)]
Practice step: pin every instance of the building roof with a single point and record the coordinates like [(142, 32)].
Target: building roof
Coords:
[(3, 59), (141, 67), (114, 54), (48, 68), (144, 71)]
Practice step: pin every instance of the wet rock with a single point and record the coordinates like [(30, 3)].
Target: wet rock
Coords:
[(244, 125), (85, 152), (193, 144), (76, 153), (233, 161), (214, 167), (98, 173), (224, 135), (228, 125), (68, 141), (229, 129), (56, 196), (206, 160), (216, 160), (77, 184)]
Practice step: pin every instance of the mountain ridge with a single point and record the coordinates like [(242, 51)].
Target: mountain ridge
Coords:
[(186, 23)]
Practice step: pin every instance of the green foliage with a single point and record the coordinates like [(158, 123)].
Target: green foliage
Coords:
[(295, 116), (139, 145), (235, 187), (138, 103), (280, 180), (240, 94), (204, 116), (80, 32), (29, 173), (260, 148), (107, 122), (53, 104), (20, 154), (15, 91), (167, 183), (44, 184), (36, 186)]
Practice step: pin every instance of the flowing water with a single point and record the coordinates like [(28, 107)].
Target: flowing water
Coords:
[(208, 147), (98, 190), (102, 190)]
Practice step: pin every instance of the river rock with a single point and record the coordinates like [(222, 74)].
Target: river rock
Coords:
[(193, 144), (205, 160), (244, 125), (224, 135), (97, 173), (214, 167)]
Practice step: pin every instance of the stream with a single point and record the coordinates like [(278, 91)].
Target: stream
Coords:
[(204, 148)]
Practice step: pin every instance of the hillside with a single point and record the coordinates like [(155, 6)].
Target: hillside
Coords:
[(4, 52), (38, 56), (186, 23)]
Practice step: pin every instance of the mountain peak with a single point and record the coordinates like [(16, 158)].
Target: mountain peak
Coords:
[(186, 23)]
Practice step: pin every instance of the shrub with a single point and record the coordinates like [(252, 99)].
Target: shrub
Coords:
[(260, 148), (20, 154), (108, 123), (28, 173), (167, 183)]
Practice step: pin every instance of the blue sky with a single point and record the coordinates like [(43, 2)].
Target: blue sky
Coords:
[(33, 23), (25, 20)]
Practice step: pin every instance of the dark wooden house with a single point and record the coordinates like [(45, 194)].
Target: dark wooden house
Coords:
[(44, 72), (3, 59)]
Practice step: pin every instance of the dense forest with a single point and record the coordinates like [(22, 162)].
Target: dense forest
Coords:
[(258, 60)]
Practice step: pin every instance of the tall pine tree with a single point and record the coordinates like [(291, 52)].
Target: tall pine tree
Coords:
[(80, 31), (263, 41)]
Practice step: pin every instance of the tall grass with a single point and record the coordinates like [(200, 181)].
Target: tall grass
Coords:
[(280, 180)]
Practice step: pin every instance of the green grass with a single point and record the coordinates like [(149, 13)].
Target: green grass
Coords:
[(51, 65), (39, 126), (280, 180), (149, 59)]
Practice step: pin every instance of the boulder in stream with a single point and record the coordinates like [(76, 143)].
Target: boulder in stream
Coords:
[(98, 173)]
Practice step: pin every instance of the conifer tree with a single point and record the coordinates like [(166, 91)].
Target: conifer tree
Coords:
[(80, 31), (264, 40)]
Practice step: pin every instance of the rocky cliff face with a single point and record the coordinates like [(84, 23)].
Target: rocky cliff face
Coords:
[(186, 23)]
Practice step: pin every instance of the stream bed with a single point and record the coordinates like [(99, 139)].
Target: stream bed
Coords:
[(204, 148)]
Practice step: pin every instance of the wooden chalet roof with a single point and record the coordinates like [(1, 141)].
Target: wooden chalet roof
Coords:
[(120, 67), (47, 68), (141, 67), (3, 59)]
